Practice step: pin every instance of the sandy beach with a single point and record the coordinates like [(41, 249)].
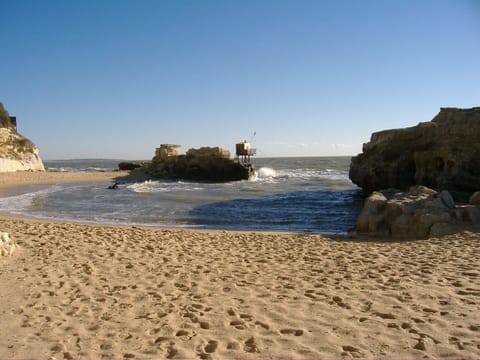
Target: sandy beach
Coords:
[(88, 291), (17, 182)]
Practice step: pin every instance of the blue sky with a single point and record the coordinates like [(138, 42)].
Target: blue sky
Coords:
[(114, 78)]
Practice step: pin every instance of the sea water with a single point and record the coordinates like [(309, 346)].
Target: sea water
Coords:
[(309, 194)]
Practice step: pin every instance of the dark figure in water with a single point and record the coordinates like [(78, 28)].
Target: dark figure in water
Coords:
[(114, 186)]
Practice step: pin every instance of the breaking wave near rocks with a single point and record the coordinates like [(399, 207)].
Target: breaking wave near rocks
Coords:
[(286, 194)]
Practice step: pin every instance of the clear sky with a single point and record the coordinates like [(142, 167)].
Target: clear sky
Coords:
[(114, 78)]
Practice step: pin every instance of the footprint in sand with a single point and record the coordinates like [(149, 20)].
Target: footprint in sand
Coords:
[(251, 345), (183, 334), (385, 315), (238, 324), (339, 301), (171, 352), (295, 332), (211, 346), (420, 345), (350, 349), (247, 317), (232, 345), (262, 324), (457, 342), (192, 317), (204, 325), (161, 339), (197, 306)]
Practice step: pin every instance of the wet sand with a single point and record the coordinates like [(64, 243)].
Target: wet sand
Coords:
[(73, 290)]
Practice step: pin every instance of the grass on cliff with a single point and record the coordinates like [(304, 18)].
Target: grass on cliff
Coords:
[(12, 144), (4, 117)]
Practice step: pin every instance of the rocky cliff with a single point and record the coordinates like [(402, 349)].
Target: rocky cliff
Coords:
[(443, 154), (17, 153)]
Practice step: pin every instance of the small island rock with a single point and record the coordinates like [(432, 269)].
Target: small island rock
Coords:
[(204, 164)]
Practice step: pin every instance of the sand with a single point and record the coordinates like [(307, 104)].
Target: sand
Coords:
[(17, 182), (86, 291)]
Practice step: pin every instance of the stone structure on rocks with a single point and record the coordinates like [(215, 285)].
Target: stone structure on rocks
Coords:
[(166, 151), (443, 154), (205, 164), (418, 213), (17, 153)]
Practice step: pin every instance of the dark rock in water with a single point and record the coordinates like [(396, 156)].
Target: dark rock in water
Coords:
[(114, 186), (443, 154), (475, 198), (419, 213), (130, 165), (204, 164)]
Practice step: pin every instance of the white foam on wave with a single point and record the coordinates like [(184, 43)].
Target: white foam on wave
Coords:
[(60, 169), (266, 172), (147, 186), (20, 203), (150, 186)]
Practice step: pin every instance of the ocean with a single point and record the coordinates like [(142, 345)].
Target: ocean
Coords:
[(296, 194)]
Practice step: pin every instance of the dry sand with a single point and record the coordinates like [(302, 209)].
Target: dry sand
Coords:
[(74, 290)]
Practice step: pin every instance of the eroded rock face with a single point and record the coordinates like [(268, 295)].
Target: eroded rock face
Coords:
[(418, 213), (443, 154), (17, 153)]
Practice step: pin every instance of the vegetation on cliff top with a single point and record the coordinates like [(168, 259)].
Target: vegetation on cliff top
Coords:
[(12, 144), (4, 117)]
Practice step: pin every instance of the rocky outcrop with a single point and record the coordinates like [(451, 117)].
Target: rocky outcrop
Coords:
[(7, 244), (131, 165), (17, 153), (419, 213), (443, 154), (204, 164)]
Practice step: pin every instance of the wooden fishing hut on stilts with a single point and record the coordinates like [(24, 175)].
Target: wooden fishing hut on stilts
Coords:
[(244, 151)]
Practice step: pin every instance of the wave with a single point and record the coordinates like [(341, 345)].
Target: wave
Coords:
[(143, 187), (28, 201), (267, 173), (86, 169), (152, 186)]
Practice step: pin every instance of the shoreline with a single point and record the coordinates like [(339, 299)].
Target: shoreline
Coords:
[(74, 290), (16, 183)]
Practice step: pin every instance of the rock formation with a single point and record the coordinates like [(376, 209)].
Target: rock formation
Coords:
[(17, 153), (419, 213), (204, 164), (443, 154), (131, 165), (7, 244)]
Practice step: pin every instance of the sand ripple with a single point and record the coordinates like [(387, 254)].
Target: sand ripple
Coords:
[(100, 291)]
